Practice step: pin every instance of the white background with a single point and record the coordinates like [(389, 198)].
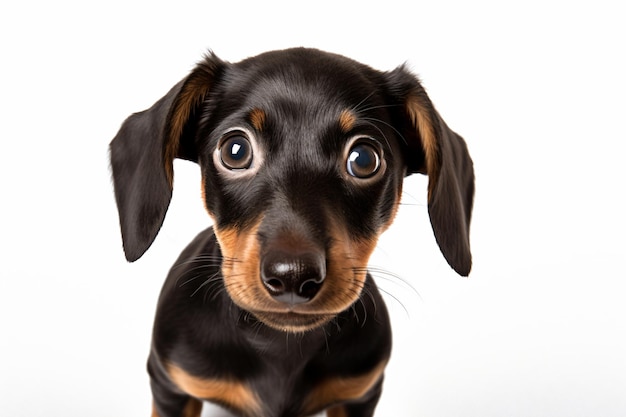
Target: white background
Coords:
[(536, 88)]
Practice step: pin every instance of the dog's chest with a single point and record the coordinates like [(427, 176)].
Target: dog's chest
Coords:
[(291, 369)]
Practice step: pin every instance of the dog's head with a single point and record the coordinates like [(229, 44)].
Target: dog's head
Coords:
[(302, 154)]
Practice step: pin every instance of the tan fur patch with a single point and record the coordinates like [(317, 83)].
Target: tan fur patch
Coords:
[(257, 118), (347, 120), (424, 125), (339, 389), (339, 411), (347, 267), (193, 408), (233, 393), (241, 266), (193, 91)]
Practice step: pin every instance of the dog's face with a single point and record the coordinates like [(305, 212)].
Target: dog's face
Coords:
[(302, 154), (302, 170)]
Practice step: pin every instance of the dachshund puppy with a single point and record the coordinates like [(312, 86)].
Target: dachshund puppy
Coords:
[(271, 312)]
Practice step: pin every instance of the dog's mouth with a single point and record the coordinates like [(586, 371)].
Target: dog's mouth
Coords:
[(291, 321)]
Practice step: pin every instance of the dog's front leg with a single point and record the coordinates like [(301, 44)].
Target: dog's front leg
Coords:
[(362, 408), (166, 401)]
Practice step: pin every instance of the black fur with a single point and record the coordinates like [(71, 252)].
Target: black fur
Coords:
[(281, 336)]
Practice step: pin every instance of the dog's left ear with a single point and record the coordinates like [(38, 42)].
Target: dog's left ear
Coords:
[(435, 150), (142, 156)]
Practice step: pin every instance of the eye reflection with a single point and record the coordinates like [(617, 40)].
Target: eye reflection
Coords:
[(236, 152), (363, 160)]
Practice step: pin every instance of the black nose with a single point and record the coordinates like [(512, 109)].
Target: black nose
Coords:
[(293, 278)]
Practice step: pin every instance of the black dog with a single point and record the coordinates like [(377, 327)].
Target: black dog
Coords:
[(272, 312)]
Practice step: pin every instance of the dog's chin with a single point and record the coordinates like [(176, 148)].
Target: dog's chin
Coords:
[(293, 322)]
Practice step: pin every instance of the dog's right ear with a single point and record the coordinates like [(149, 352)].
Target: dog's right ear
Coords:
[(432, 148), (143, 151)]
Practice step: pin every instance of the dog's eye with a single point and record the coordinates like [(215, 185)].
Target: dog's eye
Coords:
[(236, 151), (363, 160)]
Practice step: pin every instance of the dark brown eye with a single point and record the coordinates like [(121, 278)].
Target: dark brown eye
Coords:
[(236, 151), (363, 160)]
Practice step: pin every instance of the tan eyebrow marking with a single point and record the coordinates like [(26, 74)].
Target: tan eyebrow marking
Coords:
[(347, 120), (257, 118)]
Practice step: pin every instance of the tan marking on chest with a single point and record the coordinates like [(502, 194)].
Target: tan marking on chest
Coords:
[(339, 389), (232, 393)]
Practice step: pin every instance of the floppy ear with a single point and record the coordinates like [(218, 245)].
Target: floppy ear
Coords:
[(435, 150), (142, 155)]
